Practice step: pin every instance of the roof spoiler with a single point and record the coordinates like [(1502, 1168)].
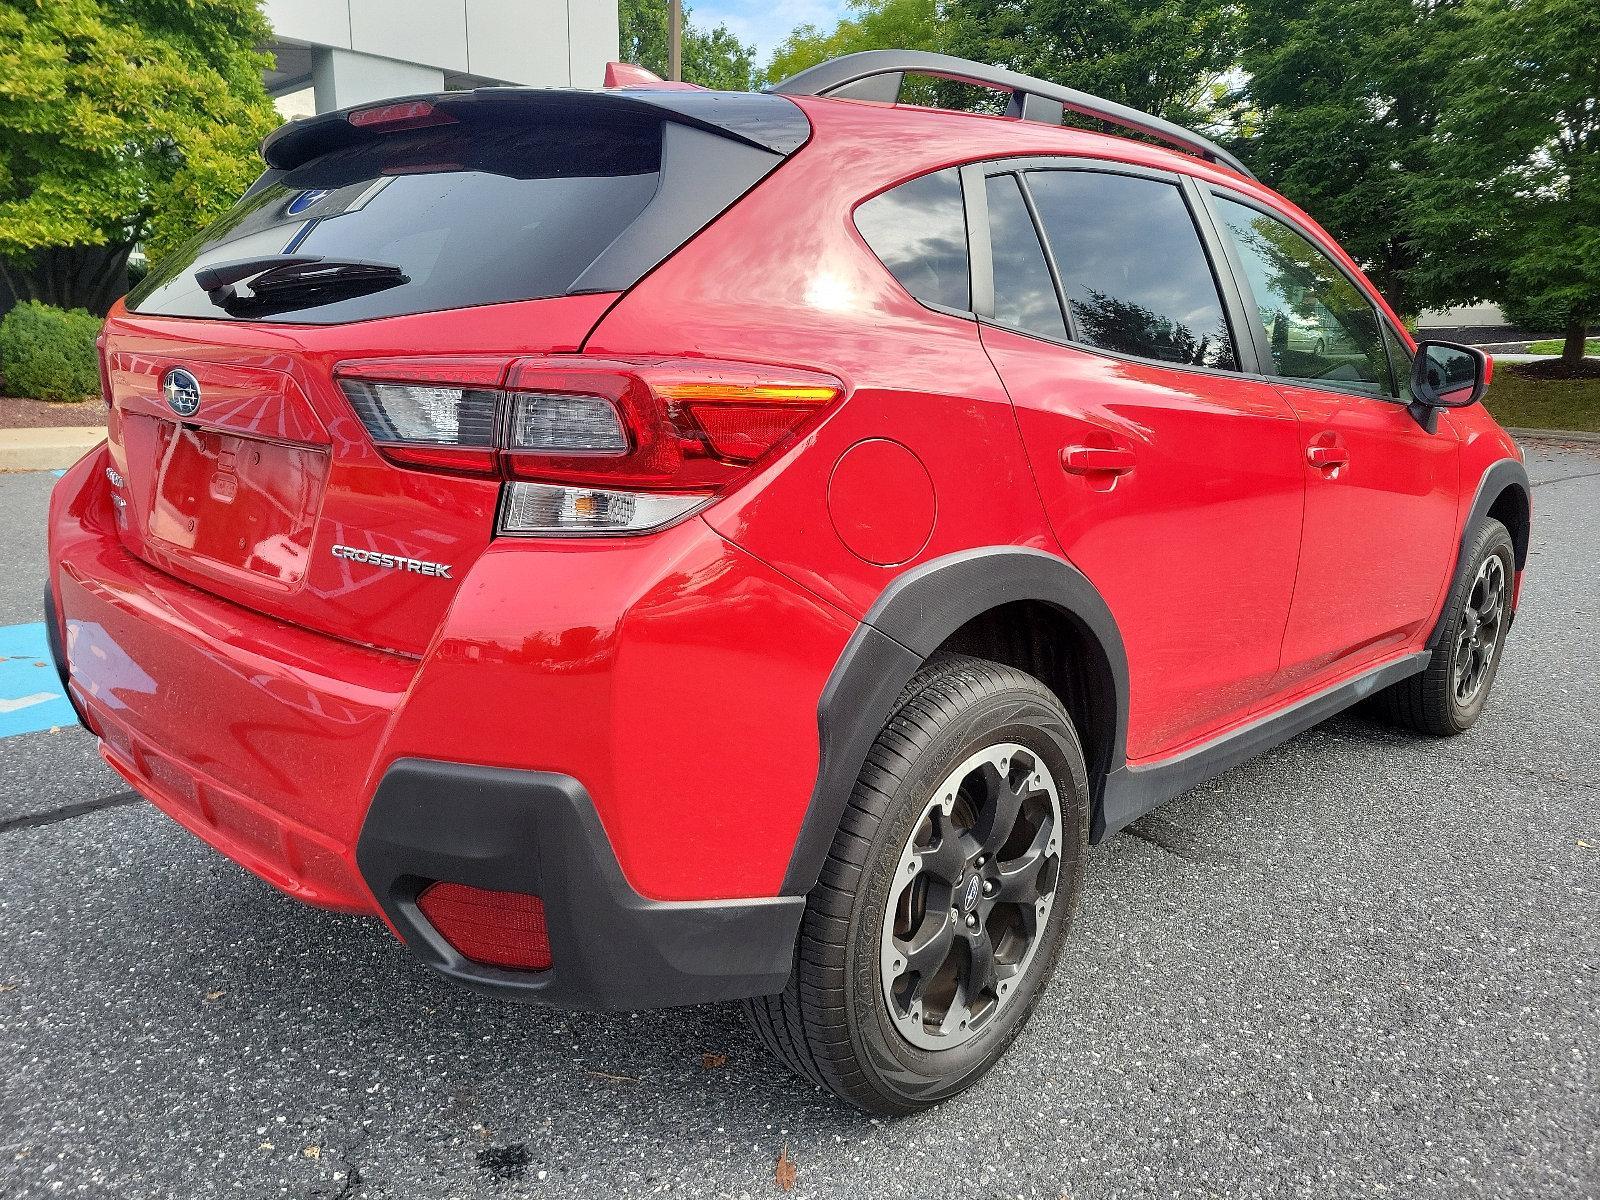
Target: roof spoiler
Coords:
[(766, 122), (878, 74)]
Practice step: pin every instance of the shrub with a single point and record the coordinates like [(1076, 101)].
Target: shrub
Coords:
[(48, 353)]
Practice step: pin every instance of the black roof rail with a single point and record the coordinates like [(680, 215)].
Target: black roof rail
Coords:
[(877, 75)]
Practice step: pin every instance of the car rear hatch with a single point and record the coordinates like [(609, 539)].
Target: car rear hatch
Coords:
[(439, 241)]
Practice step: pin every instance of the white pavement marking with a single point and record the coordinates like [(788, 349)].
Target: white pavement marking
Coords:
[(11, 706)]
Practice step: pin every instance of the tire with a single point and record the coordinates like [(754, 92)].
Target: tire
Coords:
[(969, 742), (1433, 701)]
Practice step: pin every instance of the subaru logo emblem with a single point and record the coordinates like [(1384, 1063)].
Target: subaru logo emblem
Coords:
[(305, 200), (969, 898), (182, 391)]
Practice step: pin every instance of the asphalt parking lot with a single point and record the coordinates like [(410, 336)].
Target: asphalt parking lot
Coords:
[(1362, 965)]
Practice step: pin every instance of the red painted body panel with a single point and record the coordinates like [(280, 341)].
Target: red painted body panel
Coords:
[(257, 687), (675, 675), (278, 395), (785, 277), (607, 659), (1378, 530), (882, 502), (1194, 548), (256, 734)]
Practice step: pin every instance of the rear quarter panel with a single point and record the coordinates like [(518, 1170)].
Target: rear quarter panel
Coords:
[(785, 278)]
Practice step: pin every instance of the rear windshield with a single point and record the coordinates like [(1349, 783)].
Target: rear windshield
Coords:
[(470, 215)]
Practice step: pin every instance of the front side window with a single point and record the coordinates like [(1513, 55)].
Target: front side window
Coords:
[(1321, 328), (1024, 294), (919, 231), (1133, 267)]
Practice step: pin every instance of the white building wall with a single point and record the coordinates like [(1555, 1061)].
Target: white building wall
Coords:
[(1472, 316), (356, 51), (592, 41)]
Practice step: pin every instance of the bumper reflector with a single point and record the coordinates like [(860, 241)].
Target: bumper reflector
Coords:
[(501, 929)]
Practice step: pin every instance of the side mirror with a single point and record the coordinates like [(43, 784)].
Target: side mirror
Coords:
[(1449, 375)]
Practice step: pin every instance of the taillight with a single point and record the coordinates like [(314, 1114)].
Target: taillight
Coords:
[(588, 445), (405, 114), (502, 929), (425, 414)]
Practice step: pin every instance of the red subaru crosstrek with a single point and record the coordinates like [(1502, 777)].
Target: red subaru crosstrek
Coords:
[(655, 546)]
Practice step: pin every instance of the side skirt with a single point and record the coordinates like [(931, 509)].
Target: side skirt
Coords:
[(1130, 792)]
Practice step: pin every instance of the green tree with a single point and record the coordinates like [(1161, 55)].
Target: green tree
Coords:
[(1510, 209), (1341, 103), (1164, 56), (1168, 57), (713, 58), (121, 121), (870, 25)]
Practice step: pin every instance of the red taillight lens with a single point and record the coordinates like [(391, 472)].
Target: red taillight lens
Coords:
[(693, 426), (595, 445), (500, 929)]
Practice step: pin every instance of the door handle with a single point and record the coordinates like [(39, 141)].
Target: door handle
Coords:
[(1096, 460), (1327, 457)]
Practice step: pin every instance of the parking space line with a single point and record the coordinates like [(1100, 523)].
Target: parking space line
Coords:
[(31, 698)]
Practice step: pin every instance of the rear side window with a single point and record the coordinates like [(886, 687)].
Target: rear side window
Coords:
[(1321, 328), (1024, 294), (508, 203), (1134, 270), (919, 231)]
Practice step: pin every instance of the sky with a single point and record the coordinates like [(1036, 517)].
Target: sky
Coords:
[(765, 23)]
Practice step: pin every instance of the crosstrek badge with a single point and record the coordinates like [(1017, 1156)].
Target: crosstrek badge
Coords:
[(394, 562)]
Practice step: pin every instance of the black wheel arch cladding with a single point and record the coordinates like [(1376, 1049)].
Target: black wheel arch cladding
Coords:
[(1504, 490), (913, 617)]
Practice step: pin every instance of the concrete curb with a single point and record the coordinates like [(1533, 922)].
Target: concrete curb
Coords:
[(1553, 435), (47, 449)]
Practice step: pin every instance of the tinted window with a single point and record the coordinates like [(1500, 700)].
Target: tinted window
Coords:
[(1024, 295), (1320, 326), (919, 230), (471, 216), (1133, 267)]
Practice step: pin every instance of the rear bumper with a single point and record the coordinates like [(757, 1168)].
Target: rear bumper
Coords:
[(256, 736), (537, 833), (58, 653), (341, 774)]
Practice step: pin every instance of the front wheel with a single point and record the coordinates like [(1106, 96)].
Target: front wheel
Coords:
[(1449, 696), (946, 896)]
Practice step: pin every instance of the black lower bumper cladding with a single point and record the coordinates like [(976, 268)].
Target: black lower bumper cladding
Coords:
[(538, 833)]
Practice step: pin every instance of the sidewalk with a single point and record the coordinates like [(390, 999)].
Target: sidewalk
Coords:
[(47, 449)]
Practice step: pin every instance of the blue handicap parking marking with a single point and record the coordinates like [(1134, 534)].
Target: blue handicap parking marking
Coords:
[(31, 698)]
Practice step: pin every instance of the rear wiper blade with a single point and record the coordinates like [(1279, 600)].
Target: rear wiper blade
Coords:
[(280, 282), (219, 275)]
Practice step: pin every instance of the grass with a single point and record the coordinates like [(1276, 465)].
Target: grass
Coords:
[(1530, 402), (1553, 346)]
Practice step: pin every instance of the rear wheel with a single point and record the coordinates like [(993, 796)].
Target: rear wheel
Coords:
[(946, 896), (1449, 696)]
